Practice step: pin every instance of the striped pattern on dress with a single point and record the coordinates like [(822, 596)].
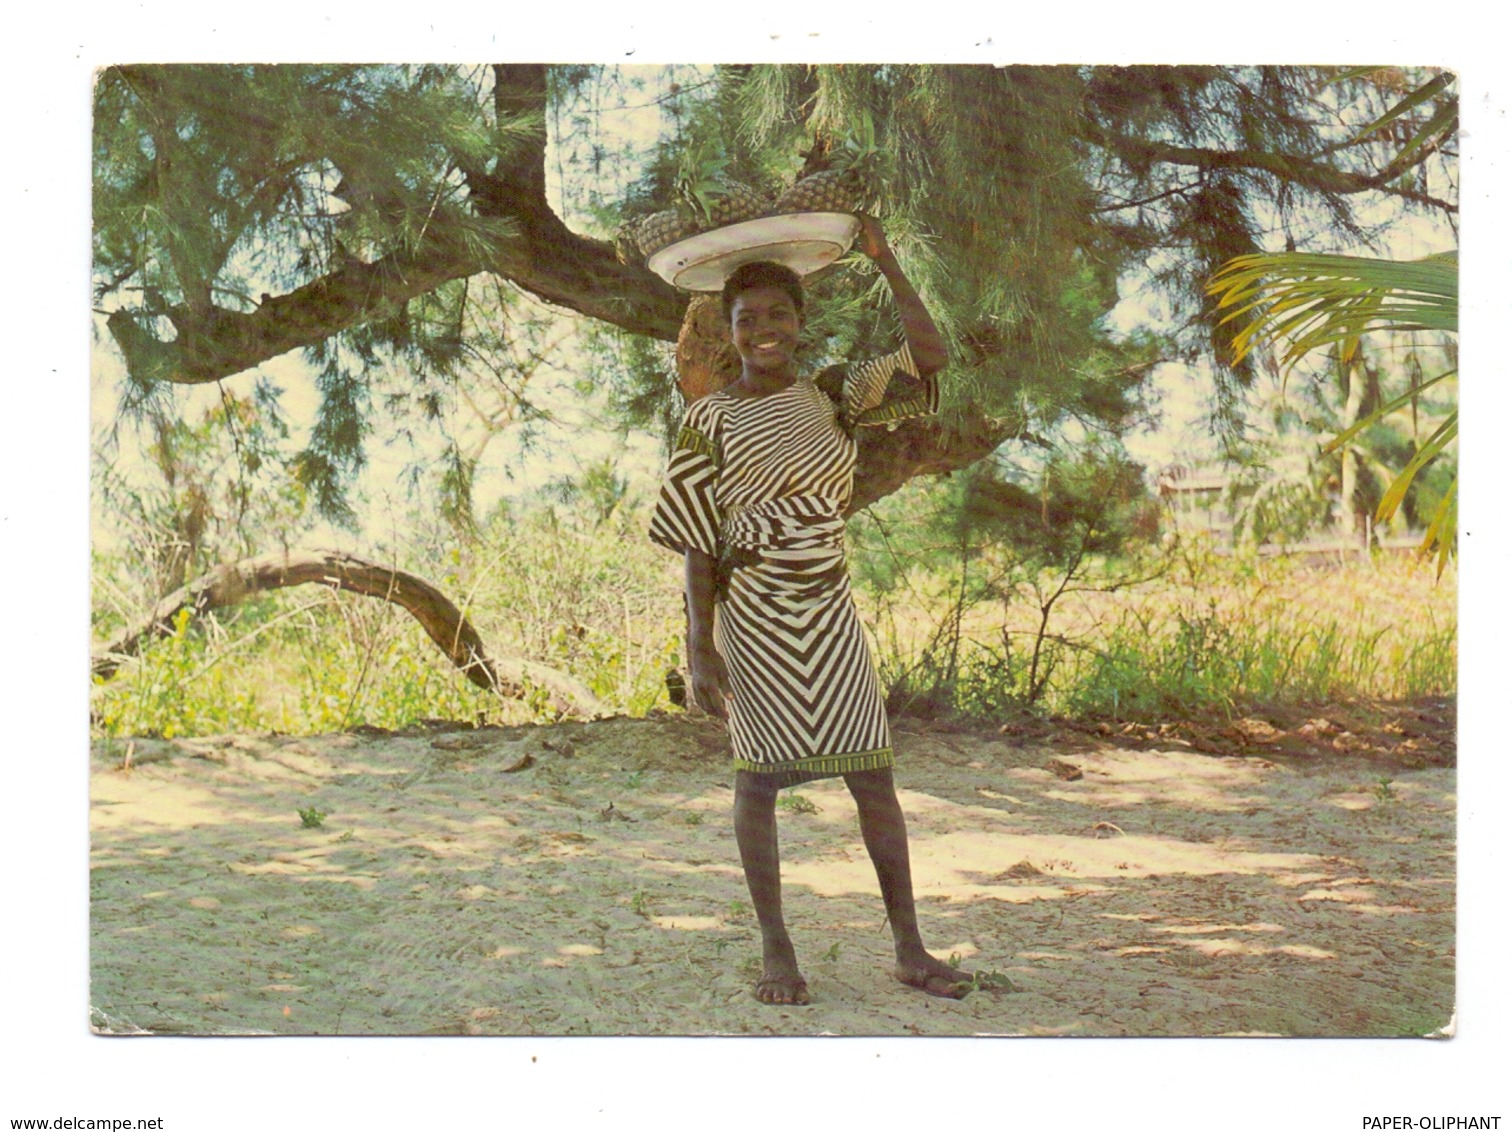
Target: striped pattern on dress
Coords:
[(764, 482)]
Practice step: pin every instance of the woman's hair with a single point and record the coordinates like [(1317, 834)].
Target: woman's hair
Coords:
[(761, 274)]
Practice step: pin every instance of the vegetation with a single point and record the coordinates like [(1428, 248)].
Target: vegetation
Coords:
[(424, 241), (581, 594), (1308, 302), (1202, 634), (1152, 632), (387, 222)]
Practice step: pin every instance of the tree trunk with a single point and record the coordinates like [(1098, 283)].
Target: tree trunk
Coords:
[(1352, 527), (538, 253), (442, 621), (926, 446)]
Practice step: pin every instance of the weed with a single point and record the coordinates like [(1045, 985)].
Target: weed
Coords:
[(1383, 789), (639, 904), (312, 818), (983, 980), (739, 909), (796, 804), (992, 981), (833, 954), (693, 817)]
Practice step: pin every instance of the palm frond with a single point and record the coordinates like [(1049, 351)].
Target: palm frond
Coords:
[(1436, 443), (1441, 527), (1302, 302), (1310, 300), (1384, 411), (1413, 99)]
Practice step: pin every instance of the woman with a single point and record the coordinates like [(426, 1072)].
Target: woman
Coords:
[(754, 499)]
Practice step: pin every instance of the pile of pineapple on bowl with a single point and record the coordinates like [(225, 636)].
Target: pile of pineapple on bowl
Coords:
[(725, 224)]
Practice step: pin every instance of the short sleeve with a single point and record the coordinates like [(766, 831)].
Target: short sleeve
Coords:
[(885, 390), (687, 515)]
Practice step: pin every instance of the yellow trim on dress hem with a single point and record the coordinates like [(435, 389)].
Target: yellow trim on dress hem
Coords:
[(823, 764)]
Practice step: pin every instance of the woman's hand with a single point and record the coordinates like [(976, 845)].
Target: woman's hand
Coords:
[(707, 674), (710, 680), (924, 342)]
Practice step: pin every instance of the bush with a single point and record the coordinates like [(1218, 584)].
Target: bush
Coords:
[(593, 600)]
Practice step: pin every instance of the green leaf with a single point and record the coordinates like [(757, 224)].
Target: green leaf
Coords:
[(1312, 300), (1435, 444), (1414, 99), (1384, 411), (1441, 527), (1306, 301)]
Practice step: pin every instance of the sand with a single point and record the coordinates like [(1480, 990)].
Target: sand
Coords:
[(582, 878)]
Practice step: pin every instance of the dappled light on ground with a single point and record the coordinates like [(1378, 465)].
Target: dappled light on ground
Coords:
[(444, 883)]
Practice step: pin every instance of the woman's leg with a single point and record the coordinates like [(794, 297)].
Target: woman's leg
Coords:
[(886, 837), (756, 836)]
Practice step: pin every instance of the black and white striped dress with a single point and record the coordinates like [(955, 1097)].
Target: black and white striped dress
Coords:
[(762, 485)]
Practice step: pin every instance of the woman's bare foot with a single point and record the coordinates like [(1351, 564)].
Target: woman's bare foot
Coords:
[(782, 985), (928, 974)]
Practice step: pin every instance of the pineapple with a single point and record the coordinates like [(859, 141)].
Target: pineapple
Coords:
[(627, 247), (656, 231), (831, 190), (842, 187), (730, 202)]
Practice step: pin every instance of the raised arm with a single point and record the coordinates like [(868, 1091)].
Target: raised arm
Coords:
[(923, 337)]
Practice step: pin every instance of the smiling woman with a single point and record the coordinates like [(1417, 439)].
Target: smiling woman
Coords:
[(764, 306), (755, 499)]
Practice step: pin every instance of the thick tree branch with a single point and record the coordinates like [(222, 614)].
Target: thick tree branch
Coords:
[(886, 460), (537, 253), (223, 342), (442, 621), (549, 259)]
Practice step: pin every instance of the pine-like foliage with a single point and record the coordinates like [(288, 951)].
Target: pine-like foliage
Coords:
[(1021, 199), (244, 211), (221, 188)]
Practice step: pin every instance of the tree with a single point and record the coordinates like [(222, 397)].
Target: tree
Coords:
[(350, 211), (1288, 478), (1307, 302), (1001, 535), (215, 488)]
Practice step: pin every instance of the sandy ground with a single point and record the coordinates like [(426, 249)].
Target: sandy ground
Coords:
[(582, 879)]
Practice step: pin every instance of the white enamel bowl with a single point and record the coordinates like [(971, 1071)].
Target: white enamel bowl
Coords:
[(804, 241)]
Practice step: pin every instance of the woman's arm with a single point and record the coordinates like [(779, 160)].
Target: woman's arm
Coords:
[(924, 341), (706, 668)]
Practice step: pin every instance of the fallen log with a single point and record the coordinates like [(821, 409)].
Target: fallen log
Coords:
[(443, 622)]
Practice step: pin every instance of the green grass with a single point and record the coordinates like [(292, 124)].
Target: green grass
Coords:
[(1188, 658), (596, 602), (601, 604), (1217, 635)]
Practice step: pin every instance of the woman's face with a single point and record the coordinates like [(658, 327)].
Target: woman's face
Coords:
[(765, 325)]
